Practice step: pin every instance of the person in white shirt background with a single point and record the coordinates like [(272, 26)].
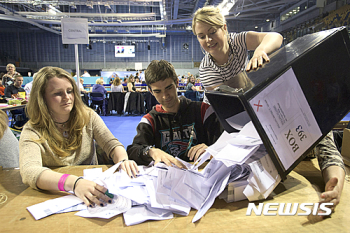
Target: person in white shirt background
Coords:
[(86, 74), (28, 86), (141, 76)]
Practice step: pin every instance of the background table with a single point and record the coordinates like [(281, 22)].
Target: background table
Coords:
[(12, 107), (302, 185)]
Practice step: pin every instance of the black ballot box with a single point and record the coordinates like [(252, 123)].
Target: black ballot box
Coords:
[(295, 99)]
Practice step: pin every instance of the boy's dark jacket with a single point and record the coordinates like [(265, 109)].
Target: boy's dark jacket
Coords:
[(171, 131)]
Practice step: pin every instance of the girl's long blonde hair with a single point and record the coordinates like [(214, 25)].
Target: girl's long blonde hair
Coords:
[(41, 119), (116, 81), (3, 123)]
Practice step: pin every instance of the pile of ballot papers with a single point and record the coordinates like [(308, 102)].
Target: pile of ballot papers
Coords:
[(239, 169)]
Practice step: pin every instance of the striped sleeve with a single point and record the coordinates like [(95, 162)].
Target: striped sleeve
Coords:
[(211, 75)]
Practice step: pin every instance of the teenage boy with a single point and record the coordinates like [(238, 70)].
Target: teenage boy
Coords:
[(177, 127)]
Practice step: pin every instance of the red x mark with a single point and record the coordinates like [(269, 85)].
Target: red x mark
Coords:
[(258, 105)]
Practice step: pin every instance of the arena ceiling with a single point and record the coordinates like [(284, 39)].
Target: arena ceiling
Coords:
[(136, 18)]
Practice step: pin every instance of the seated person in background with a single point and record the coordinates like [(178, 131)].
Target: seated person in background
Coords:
[(125, 84), (28, 86), (137, 81), (137, 77), (117, 85), (98, 87), (14, 88), (86, 74), (179, 78), (2, 90), (190, 84), (131, 84), (2, 87), (83, 92), (8, 78), (141, 76), (9, 153), (61, 132), (81, 86), (165, 132), (12, 91)]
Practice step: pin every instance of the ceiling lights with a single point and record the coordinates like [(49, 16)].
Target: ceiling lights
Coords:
[(226, 6)]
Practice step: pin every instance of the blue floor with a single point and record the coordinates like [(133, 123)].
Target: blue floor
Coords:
[(122, 127), (347, 117)]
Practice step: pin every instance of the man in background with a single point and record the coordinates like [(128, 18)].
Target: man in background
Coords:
[(14, 88), (18, 115)]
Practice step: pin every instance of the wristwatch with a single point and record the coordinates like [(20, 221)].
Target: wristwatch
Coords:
[(146, 150)]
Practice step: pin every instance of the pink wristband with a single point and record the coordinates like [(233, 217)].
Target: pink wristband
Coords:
[(62, 181)]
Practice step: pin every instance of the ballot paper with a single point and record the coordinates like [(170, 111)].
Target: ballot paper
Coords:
[(53, 206), (119, 205), (139, 214), (240, 169), (238, 121)]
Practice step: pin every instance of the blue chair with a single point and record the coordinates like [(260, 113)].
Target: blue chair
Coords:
[(100, 103), (192, 95)]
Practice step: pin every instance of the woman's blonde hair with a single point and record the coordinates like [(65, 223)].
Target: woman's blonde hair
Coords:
[(99, 81), (3, 123), (210, 15), (116, 81), (41, 119)]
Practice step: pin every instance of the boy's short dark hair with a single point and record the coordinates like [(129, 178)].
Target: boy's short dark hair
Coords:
[(159, 71)]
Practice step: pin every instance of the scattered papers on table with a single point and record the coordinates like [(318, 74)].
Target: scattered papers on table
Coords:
[(240, 169)]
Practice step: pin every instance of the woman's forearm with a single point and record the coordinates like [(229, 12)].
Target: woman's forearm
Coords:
[(48, 180), (118, 154)]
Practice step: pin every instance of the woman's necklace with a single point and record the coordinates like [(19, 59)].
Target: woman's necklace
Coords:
[(65, 132)]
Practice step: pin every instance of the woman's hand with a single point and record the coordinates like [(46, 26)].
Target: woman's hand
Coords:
[(91, 193), (130, 167), (257, 60)]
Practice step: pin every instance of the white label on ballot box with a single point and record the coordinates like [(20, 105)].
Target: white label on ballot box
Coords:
[(286, 117)]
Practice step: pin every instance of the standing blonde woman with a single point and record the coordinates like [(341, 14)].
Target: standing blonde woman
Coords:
[(226, 54), (61, 132)]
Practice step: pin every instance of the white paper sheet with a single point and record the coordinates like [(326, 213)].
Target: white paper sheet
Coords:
[(139, 214), (53, 206), (286, 117), (119, 205)]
